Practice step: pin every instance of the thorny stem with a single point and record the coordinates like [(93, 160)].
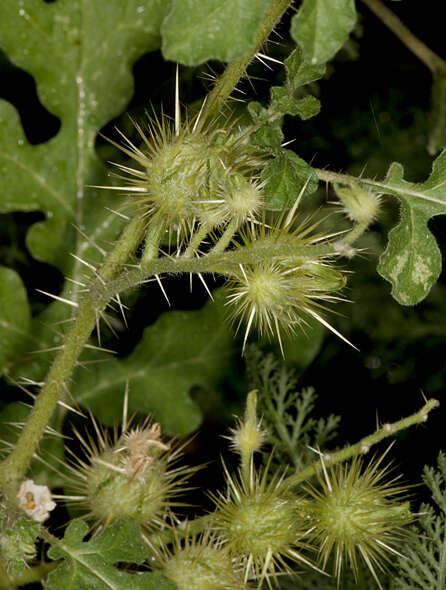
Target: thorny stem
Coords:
[(151, 243), (361, 447), (382, 187), (221, 263), (236, 69), (426, 55), (14, 467), (364, 444)]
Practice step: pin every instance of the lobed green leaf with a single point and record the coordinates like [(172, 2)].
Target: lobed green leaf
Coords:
[(412, 259), (180, 350), (90, 565), (80, 55)]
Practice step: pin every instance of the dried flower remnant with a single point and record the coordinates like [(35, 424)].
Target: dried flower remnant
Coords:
[(35, 500), (130, 475)]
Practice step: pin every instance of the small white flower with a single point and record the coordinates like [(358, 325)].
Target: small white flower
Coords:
[(35, 500)]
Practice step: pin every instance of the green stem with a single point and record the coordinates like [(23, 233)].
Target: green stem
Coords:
[(329, 176), (355, 233), (236, 69), (221, 263), (152, 243), (364, 444), (426, 55), (196, 240), (226, 237), (14, 467)]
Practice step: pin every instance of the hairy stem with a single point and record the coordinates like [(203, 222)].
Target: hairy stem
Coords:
[(226, 237), (196, 240), (221, 263), (151, 243), (426, 55), (365, 443), (236, 69), (382, 187), (14, 467), (355, 233)]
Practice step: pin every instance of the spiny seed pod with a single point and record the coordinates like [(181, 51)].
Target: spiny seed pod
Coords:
[(355, 515), (129, 476), (237, 199), (257, 520), (280, 294), (201, 563), (188, 174)]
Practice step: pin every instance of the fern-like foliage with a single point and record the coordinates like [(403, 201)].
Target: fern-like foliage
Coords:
[(424, 564), (287, 412)]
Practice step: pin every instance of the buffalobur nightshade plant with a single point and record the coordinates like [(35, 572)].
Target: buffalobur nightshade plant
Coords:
[(207, 190)]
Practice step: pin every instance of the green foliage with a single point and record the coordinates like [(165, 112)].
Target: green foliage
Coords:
[(287, 175), (89, 565), (287, 412), (14, 316), (17, 542), (412, 259), (179, 351), (321, 27), (195, 31), (424, 562), (63, 48), (285, 99)]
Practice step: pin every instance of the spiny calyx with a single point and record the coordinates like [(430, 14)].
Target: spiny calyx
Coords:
[(189, 176)]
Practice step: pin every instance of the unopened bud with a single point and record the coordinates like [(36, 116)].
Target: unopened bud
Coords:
[(360, 205)]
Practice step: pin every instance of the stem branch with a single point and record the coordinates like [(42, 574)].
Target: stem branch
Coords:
[(365, 443), (14, 467), (216, 262)]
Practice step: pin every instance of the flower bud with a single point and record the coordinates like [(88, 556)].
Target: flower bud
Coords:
[(360, 205), (248, 437)]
